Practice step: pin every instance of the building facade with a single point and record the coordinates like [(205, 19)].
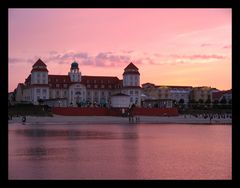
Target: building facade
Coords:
[(174, 93), (203, 94), (75, 89)]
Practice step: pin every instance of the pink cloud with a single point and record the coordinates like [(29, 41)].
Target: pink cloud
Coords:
[(199, 56), (206, 44), (227, 46)]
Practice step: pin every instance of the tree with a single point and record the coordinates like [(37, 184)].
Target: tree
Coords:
[(215, 103), (208, 102), (192, 103), (223, 102), (200, 101), (40, 101), (181, 103)]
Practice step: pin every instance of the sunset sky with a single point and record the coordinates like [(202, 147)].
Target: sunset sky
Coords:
[(189, 47)]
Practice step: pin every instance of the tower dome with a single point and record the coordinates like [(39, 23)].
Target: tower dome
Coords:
[(74, 65), (75, 74)]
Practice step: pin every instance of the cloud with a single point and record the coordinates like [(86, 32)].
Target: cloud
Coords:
[(199, 56), (16, 60), (227, 46), (206, 44), (101, 59)]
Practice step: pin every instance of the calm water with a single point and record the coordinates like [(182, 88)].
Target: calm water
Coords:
[(120, 151)]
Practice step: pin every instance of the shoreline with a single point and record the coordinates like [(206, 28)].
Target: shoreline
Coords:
[(58, 119)]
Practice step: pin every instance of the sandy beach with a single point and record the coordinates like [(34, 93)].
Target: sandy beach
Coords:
[(57, 119)]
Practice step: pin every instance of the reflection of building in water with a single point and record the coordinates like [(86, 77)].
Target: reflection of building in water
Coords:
[(76, 89)]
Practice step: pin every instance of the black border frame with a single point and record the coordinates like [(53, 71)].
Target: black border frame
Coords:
[(128, 4)]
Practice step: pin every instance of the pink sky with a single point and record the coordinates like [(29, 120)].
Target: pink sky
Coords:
[(169, 46)]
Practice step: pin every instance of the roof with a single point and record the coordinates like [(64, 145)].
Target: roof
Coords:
[(39, 66), (131, 69), (39, 62), (63, 81), (59, 79), (219, 94), (173, 87), (131, 87), (131, 66), (101, 82)]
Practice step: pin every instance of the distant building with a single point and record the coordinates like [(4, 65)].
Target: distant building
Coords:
[(76, 89), (201, 94), (174, 93), (218, 96)]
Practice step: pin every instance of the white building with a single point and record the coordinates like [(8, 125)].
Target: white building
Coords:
[(120, 100), (75, 89)]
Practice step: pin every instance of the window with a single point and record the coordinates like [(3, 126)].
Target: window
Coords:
[(88, 93), (95, 86), (131, 99), (43, 75), (102, 93), (57, 85), (38, 90), (65, 85), (95, 81), (131, 92), (57, 93), (56, 80), (44, 81), (136, 92), (102, 86), (109, 86), (95, 93), (38, 75), (38, 81), (88, 86), (44, 91), (65, 93)]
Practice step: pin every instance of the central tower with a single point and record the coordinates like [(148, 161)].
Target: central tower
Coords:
[(131, 76), (74, 73)]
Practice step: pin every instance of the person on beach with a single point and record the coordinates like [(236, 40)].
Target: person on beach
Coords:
[(23, 119), (123, 112)]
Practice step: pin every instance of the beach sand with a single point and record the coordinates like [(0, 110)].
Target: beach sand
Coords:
[(57, 119)]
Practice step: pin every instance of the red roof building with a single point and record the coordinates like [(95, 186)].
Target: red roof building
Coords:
[(78, 88)]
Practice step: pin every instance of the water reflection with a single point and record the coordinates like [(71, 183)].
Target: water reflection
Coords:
[(76, 134), (120, 152)]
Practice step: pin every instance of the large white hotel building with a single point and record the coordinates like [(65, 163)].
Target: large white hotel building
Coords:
[(74, 88)]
